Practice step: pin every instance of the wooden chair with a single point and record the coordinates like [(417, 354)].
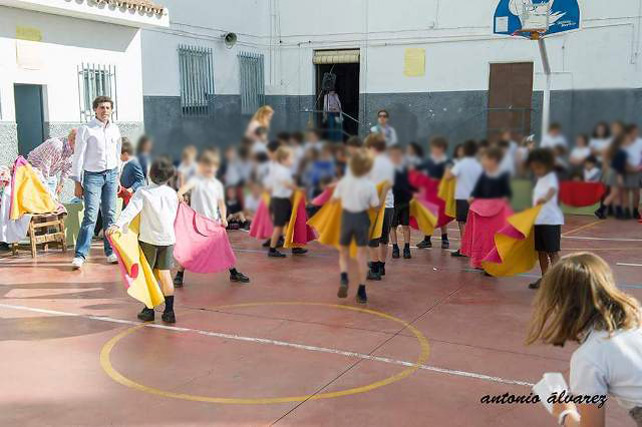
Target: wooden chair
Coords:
[(45, 229)]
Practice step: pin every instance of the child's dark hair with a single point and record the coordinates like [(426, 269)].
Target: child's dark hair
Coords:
[(470, 148), (542, 156), (354, 141), (494, 153), (283, 136), (298, 137), (272, 146), (591, 159), (419, 150), (260, 131), (126, 147), (162, 170), (439, 142), (144, 143)]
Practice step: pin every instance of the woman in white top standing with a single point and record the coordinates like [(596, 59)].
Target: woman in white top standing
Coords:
[(579, 301), (261, 119)]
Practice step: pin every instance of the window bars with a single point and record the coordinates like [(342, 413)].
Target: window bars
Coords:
[(252, 81), (95, 80), (196, 78)]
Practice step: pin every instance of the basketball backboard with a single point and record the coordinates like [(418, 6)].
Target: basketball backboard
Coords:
[(536, 17)]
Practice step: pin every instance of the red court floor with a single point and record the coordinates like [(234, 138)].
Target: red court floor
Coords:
[(433, 340)]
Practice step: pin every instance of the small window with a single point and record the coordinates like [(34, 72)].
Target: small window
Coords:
[(95, 80), (197, 79), (252, 82)]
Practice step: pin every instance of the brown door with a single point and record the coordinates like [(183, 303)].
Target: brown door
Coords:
[(510, 98)]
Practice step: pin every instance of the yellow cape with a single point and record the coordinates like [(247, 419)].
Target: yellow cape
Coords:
[(297, 198), (143, 286), (29, 194), (327, 223), (517, 254), (426, 220), (447, 194)]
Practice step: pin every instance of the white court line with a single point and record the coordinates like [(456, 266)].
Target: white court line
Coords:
[(278, 343), (602, 239), (626, 264)]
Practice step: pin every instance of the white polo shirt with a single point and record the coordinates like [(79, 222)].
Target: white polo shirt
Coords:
[(356, 194), (551, 214), (280, 176), (383, 170), (205, 196), (467, 171), (97, 148)]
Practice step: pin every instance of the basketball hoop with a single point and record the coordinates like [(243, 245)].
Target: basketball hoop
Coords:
[(534, 17)]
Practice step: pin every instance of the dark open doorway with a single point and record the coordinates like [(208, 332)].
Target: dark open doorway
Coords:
[(347, 87), (29, 116)]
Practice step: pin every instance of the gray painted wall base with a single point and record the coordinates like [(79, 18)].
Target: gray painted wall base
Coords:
[(416, 116)]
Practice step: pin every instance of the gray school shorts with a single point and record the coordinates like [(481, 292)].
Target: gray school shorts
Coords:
[(158, 257), (354, 225)]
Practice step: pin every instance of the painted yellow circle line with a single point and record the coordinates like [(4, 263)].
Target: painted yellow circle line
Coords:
[(105, 363)]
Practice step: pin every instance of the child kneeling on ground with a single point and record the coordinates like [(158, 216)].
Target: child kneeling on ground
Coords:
[(157, 205), (357, 195)]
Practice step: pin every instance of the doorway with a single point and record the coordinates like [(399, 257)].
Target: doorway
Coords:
[(510, 97), (347, 87), (29, 116)]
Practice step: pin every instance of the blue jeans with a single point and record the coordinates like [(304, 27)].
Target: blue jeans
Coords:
[(99, 192)]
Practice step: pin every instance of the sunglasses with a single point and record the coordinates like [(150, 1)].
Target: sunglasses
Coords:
[(383, 116)]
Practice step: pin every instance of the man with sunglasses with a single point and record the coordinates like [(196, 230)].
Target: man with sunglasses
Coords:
[(385, 129)]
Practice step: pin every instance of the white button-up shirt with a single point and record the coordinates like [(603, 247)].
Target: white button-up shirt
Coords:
[(97, 148)]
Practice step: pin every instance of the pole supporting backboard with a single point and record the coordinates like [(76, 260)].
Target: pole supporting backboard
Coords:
[(546, 102)]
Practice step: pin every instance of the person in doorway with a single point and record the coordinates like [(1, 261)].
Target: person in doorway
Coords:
[(54, 160), (389, 133), (333, 116), (95, 169)]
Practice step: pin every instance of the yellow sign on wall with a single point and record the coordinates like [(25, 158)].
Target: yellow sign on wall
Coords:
[(28, 33), (414, 62)]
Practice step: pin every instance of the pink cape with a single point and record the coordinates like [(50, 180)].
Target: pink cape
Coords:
[(485, 218), (262, 227), (202, 245), (323, 198), (428, 196), (299, 233)]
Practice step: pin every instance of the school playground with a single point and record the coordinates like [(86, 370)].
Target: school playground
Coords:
[(434, 339)]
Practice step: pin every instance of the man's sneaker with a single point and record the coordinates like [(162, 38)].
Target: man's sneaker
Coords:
[(178, 280), (535, 285), (445, 244), (424, 244), (112, 259), (147, 315), (299, 251), (276, 254), (406, 253), (395, 252), (169, 317), (239, 277), (77, 263), (457, 254)]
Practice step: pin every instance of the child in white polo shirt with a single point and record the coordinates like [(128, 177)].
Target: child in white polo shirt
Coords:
[(548, 224)]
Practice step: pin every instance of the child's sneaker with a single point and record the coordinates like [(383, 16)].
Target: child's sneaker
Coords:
[(600, 214), (362, 298), (457, 254), (169, 317), (147, 315), (374, 275), (424, 244), (178, 280), (273, 253), (395, 252), (299, 251), (445, 244), (636, 213), (535, 285), (238, 277), (343, 288), (382, 269), (406, 253)]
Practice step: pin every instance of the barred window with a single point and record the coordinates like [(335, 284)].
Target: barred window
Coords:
[(197, 79), (252, 81), (95, 80)]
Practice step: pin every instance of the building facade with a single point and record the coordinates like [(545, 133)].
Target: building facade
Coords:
[(55, 56), (434, 64)]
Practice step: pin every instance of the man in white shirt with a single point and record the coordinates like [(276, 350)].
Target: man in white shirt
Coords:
[(95, 170), (389, 133)]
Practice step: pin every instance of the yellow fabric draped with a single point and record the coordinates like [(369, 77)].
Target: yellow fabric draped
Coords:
[(30, 196), (266, 198), (297, 198), (446, 193), (138, 274), (327, 223), (426, 220), (517, 253)]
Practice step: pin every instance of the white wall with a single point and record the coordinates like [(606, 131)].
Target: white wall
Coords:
[(67, 42), (202, 23)]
